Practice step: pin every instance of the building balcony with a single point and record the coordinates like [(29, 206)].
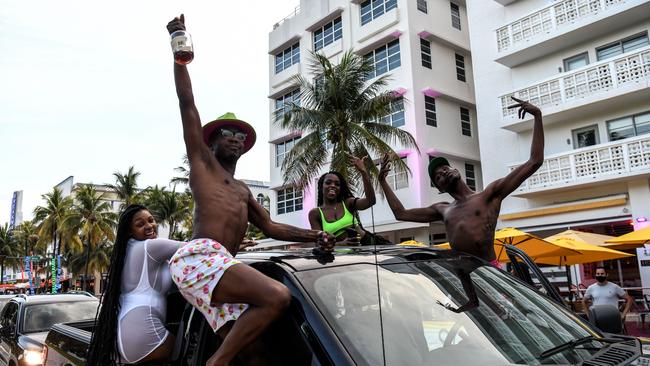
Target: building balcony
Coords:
[(589, 166), (562, 24), (590, 89)]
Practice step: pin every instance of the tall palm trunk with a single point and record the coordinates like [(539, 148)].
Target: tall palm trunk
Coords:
[(87, 261)]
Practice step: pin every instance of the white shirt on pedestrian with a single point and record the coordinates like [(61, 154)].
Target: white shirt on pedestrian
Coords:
[(607, 294)]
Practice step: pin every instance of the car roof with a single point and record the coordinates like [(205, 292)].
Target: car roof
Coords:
[(54, 298), (303, 259)]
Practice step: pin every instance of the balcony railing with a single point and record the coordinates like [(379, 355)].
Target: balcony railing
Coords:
[(594, 163), (549, 19), (295, 12), (598, 77)]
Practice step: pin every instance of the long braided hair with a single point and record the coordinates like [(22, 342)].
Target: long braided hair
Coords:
[(344, 190), (103, 349)]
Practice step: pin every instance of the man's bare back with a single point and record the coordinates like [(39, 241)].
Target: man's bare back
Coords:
[(470, 220)]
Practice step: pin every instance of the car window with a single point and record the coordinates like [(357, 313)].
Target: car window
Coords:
[(415, 325), (41, 317)]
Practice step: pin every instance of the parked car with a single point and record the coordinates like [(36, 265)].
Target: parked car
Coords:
[(26, 319), (394, 306)]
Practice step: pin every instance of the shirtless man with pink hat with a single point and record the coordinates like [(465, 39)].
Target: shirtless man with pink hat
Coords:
[(205, 270)]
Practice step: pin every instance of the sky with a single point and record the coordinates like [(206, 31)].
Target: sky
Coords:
[(87, 89)]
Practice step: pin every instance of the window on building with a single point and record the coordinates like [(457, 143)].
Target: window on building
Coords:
[(460, 67), (384, 58), (470, 177), (398, 180), (422, 6), (465, 124), (455, 15), (289, 200), (638, 124), (282, 148), (260, 199), (284, 103), (575, 62), (585, 136), (622, 46), (373, 9), (327, 34), (437, 238), (287, 57), (396, 116), (425, 52), (430, 111)]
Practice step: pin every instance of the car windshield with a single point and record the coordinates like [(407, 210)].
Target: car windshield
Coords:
[(512, 323), (41, 317)]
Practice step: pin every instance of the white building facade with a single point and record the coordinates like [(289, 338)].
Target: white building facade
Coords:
[(424, 47), (586, 64)]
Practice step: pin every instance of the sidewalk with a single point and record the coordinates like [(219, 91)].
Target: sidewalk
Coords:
[(634, 327)]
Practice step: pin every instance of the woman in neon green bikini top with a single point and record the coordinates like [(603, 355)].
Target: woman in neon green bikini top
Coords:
[(337, 207)]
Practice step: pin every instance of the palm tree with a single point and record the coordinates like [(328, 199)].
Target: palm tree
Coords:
[(126, 187), (168, 207), (343, 109), (8, 248), (91, 219), (95, 260), (27, 237), (184, 169), (51, 219)]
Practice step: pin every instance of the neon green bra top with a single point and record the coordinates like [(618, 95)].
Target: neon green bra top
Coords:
[(337, 227)]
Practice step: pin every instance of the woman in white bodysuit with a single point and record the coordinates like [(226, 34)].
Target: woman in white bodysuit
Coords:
[(130, 327)]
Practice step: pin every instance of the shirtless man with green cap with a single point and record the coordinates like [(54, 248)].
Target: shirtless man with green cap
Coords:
[(471, 218), (205, 270)]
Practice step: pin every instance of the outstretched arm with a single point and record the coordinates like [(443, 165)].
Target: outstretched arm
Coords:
[(189, 114), (369, 199), (259, 217), (501, 188), (424, 214)]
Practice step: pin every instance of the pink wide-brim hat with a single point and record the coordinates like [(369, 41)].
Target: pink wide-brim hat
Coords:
[(230, 120)]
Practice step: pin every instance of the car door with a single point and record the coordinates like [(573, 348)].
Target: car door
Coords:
[(8, 331)]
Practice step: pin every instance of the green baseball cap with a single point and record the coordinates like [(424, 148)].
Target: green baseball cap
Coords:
[(436, 162)]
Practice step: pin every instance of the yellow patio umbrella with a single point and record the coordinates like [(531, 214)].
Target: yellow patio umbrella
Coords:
[(581, 236), (631, 240), (529, 243), (412, 243), (588, 252)]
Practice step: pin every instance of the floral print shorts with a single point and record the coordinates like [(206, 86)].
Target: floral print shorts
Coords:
[(196, 268)]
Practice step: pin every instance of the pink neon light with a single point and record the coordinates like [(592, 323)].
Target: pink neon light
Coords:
[(396, 34), (399, 92), (431, 93), (308, 202), (424, 34)]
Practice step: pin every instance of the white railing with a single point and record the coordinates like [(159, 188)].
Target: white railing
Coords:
[(598, 162), (295, 12), (550, 18), (591, 79)]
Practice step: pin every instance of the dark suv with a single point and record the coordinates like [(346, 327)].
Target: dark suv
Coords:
[(25, 321)]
